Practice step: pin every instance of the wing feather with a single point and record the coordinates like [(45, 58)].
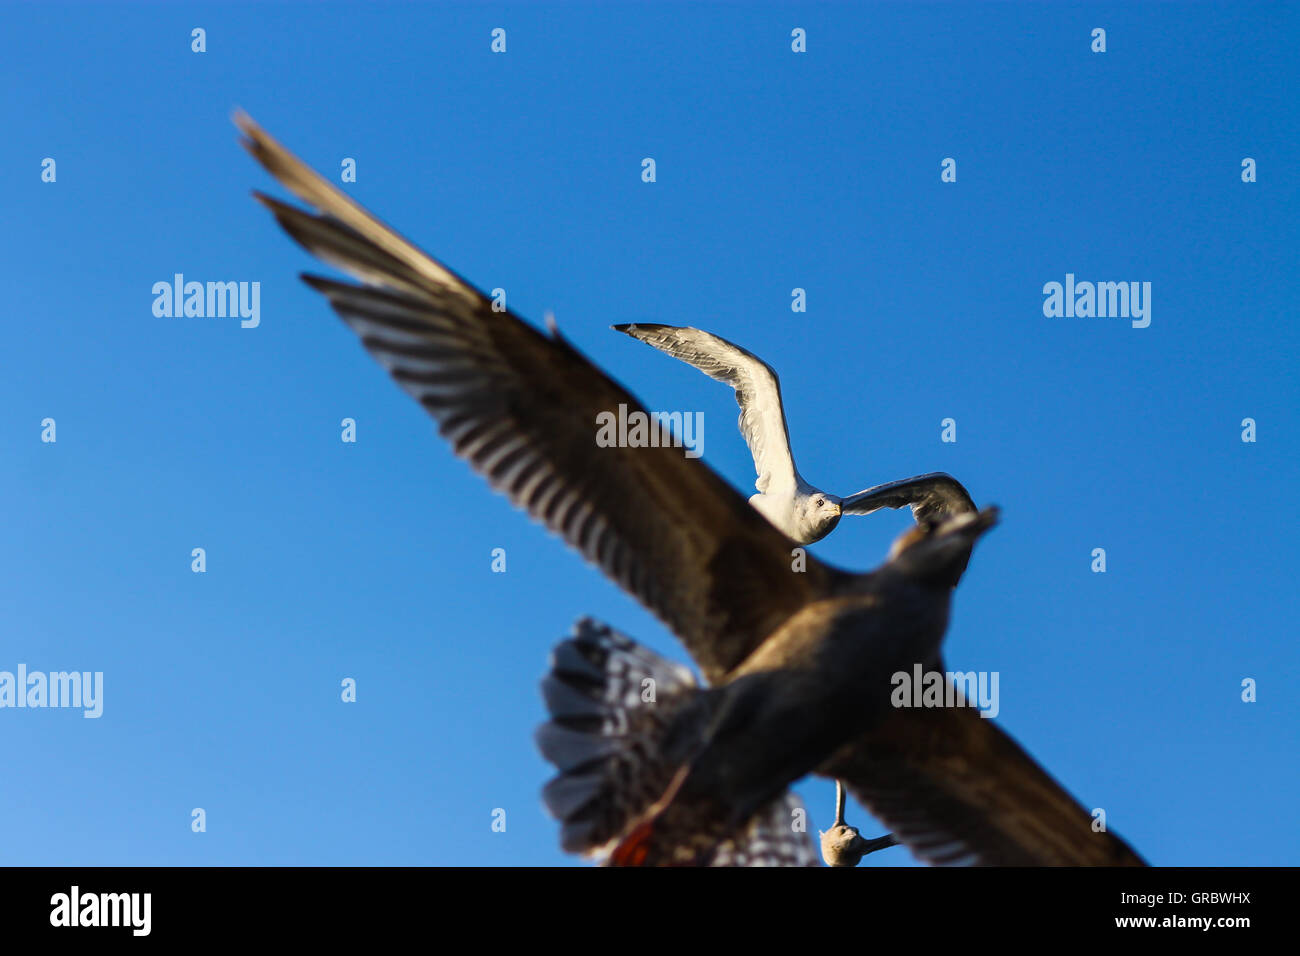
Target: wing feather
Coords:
[(522, 407), (956, 789), (935, 496), (758, 393)]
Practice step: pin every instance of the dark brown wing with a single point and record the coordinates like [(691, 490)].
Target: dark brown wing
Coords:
[(522, 408), (956, 789)]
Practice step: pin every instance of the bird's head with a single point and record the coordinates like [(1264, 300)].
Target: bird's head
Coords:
[(937, 550), (818, 515)]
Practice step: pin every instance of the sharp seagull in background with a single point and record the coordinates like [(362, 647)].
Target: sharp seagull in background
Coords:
[(842, 845), (798, 663), (803, 512)]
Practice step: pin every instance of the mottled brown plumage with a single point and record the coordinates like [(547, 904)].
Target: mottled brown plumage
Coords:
[(800, 655)]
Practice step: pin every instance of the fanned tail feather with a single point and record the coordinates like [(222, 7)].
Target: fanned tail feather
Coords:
[(607, 733), (624, 724)]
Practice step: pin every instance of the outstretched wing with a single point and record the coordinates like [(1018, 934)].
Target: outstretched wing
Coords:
[(758, 393), (935, 496), (957, 790), (523, 408)]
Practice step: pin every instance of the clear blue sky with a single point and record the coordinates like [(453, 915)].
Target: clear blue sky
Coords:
[(775, 171)]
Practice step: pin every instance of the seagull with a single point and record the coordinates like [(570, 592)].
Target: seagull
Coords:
[(797, 663), (695, 772), (805, 513), (843, 845)]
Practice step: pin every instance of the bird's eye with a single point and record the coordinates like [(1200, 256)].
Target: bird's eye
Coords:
[(821, 502)]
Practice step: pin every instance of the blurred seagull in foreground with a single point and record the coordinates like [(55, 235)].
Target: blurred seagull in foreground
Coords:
[(803, 512), (799, 663)]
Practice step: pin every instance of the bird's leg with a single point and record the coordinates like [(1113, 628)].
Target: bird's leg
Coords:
[(842, 845)]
